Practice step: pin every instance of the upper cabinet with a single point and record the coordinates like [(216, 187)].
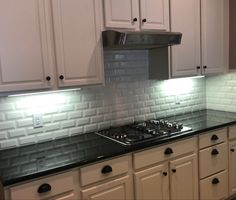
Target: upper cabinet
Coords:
[(215, 36), (137, 14), (25, 50), (78, 42), (205, 28), (185, 18), (28, 45)]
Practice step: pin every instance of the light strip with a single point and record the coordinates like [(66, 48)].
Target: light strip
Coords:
[(45, 92)]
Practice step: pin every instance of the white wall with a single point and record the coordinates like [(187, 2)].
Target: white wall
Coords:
[(128, 96)]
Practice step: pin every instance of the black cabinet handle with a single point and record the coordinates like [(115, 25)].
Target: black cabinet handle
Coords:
[(44, 188), (61, 77), (107, 169), (168, 151), (48, 78), (232, 150), (144, 20), (215, 181), (214, 152), (198, 67), (214, 137), (204, 67), (135, 19), (165, 173), (173, 170)]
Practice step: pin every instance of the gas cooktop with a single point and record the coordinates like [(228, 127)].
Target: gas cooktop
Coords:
[(139, 132)]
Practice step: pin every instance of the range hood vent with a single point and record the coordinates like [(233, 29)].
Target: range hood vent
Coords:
[(139, 40)]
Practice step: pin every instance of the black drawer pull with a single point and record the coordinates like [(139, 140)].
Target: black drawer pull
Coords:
[(165, 173), (44, 188), (168, 151), (214, 137), (174, 170), (107, 169), (214, 152), (215, 181), (232, 150)]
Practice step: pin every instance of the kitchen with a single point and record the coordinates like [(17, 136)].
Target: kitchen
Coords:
[(58, 86)]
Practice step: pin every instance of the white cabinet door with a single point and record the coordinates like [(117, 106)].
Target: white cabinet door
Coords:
[(25, 50), (152, 183), (121, 14), (214, 35), (78, 42), (154, 14), (184, 178), (120, 188), (232, 167), (185, 18)]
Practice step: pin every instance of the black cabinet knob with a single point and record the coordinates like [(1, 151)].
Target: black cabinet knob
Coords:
[(215, 181), (144, 20), (135, 19), (214, 152), (165, 173), (232, 150), (168, 151), (44, 188), (204, 67), (198, 67), (173, 170), (48, 78), (214, 137), (107, 169), (61, 77)]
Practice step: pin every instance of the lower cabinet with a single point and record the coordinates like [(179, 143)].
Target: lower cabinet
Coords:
[(232, 167), (120, 188), (175, 178)]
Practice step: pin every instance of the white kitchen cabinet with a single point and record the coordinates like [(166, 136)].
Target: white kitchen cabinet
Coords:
[(57, 187), (120, 188), (26, 45), (185, 18), (108, 180), (78, 42), (232, 167), (184, 178), (152, 183), (137, 14), (215, 35), (176, 177)]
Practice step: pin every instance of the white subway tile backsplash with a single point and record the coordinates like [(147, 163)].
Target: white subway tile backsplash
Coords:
[(127, 97)]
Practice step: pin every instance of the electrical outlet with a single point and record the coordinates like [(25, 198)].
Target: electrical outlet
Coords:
[(38, 120)]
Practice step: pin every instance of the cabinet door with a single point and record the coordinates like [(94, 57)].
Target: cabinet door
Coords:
[(152, 183), (232, 167), (184, 178), (25, 50), (214, 36), (121, 14), (117, 189), (78, 42), (185, 18), (154, 14)]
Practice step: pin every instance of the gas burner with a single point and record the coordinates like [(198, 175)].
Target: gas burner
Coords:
[(143, 131)]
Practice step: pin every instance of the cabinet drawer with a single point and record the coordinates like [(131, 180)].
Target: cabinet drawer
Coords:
[(104, 170), (213, 160), (232, 132), (60, 184), (214, 187), (212, 138), (155, 155)]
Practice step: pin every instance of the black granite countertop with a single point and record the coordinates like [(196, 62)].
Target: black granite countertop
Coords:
[(29, 162)]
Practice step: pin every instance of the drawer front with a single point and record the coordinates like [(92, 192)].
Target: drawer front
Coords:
[(104, 170), (212, 138), (214, 187), (232, 132), (155, 155), (213, 159), (60, 184)]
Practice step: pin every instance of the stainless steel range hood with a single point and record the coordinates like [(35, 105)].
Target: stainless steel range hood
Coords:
[(139, 40)]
